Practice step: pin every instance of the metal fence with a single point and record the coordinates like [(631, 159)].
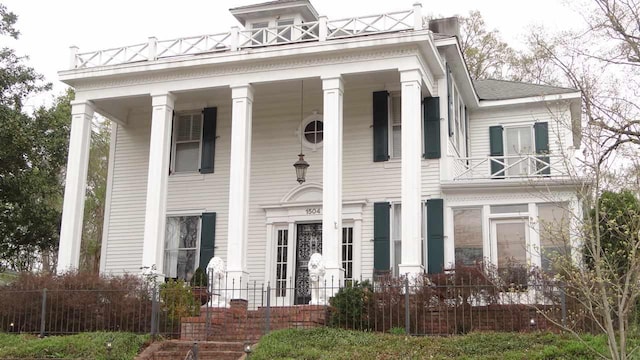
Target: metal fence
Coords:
[(437, 305)]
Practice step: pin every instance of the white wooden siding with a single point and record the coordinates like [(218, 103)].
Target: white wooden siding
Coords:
[(275, 145)]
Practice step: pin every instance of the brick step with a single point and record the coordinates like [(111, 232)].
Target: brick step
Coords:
[(204, 346), (202, 355)]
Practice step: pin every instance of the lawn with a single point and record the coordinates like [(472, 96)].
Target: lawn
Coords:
[(327, 343), (125, 346)]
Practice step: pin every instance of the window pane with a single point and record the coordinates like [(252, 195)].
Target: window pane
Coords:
[(187, 156), (554, 224), (509, 209), (512, 243), (184, 128), (186, 264), (396, 237), (196, 127), (181, 241), (189, 232), (468, 236), (397, 141)]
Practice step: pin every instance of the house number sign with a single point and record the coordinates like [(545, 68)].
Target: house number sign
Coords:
[(313, 211)]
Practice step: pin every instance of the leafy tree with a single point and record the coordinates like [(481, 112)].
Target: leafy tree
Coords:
[(95, 199)]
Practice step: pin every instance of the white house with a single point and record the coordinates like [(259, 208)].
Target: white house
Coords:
[(414, 167)]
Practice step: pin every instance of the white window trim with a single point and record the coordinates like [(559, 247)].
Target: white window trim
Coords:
[(174, 142), (187, 213), (394, 122), (300, 131)]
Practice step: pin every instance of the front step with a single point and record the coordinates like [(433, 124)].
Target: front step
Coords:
[(202, 355), (177, 350)]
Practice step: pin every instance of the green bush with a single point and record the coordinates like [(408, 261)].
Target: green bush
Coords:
[(350, 306), (199, 278), (177, 300)]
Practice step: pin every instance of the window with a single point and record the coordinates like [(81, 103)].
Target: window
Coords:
[(281, 262), (395, 114), (518, 141), (313, 132), (188, 133), (284, 30), (509, 209), (181, 246), (347, 254), (468, 236), (396, 238), (554, 232)]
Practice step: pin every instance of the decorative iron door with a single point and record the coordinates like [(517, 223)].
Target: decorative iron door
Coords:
[(309, 242)]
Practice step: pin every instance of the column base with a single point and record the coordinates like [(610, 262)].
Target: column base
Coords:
[(412, 272), (236, 285)]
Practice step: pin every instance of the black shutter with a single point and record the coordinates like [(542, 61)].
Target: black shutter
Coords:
[(380, 126), (381, 243), (541, 131), (208, 140), (435, 236), (207, 239), (496, 149), (431, 126), (449, 101)]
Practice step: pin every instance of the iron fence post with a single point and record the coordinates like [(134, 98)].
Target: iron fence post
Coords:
[(563, 304), (43, 313), (406, 305), (195, 350), (267, 316), (154, 312)]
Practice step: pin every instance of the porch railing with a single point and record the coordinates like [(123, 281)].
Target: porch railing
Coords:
[(236, 39), (522, 166)]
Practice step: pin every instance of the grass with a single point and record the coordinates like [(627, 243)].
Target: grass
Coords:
[(328, 343), (7, 277), (125, 346)]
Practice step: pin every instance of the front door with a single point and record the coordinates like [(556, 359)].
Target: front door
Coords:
[(309, 241)]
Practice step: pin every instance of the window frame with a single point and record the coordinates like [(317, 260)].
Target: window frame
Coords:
[(301, 133), (175, 142), (198, 239), (393, 122), (506, 155), (346, 227)]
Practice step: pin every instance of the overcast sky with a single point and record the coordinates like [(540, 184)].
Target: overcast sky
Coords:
[(49, 27)]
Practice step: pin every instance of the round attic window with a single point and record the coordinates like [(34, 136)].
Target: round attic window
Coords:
[(312, 129)]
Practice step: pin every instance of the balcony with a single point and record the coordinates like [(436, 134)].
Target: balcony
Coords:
[(239, 39), (523, 166)]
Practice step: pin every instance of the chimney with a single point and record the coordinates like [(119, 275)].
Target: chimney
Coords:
[(446, 26)]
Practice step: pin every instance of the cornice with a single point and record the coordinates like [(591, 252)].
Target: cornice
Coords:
[(159, 76)]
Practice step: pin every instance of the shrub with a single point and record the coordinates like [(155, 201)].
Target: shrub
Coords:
[(199, 278), (75, 302), (177, 300), (350, 306)]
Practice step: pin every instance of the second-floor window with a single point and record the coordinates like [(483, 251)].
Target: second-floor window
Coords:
[(187, 139), (518, 141), (259, 33), (395, 125), (284, 30)]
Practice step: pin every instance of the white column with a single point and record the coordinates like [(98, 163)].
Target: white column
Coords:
[(240, 172), (332, 180), (157, 178), (75, 186), (410, 81)]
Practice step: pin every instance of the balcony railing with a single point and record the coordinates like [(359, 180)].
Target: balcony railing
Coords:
[(237, 39), (522, 166)]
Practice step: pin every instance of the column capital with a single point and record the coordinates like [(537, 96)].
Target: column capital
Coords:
[(409, 75), (239, 91), (332, 82), (79, 107), (163, 99)]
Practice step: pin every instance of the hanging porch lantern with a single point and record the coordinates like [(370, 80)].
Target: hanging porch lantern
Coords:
[(301, 168)]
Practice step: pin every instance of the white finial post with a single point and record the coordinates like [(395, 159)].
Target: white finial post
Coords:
[(235, 38), (322, 27), (73, 53), (153, 48), (417, 16)]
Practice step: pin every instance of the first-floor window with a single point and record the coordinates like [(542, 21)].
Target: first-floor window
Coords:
[(467, 230), (396, 238), (347, 254), (181, 246), (554, 232), (281, 262)]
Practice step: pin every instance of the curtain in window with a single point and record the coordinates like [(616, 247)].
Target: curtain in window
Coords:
[(171, 241)]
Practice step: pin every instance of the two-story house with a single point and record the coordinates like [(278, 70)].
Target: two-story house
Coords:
[(412, 166)]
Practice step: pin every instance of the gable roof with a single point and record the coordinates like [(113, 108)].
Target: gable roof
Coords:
[(502, 89)]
